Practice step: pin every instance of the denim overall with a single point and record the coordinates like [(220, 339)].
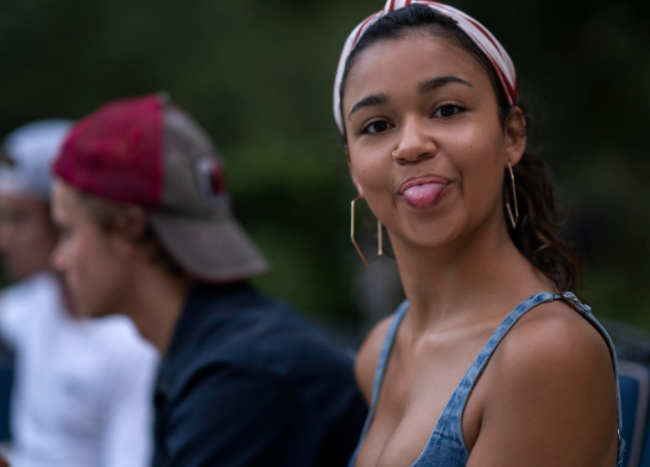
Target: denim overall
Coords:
[(446, 446)]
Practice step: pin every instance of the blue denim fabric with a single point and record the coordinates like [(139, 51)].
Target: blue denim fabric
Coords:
[(446, 446)]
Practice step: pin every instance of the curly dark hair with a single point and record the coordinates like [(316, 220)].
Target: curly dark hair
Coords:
[(537, 235)]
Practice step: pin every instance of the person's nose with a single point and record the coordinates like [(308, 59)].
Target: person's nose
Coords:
[(416, 142), (59, 258)]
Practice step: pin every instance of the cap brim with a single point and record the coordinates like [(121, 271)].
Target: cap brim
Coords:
[(215, 250)]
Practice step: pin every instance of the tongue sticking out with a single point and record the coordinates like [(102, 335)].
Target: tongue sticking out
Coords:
[(422, 196)]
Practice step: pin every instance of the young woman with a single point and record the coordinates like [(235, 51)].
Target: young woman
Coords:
[(426, 100)]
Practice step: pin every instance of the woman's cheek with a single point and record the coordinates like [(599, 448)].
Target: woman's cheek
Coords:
[(373, 175), (481, 187), (370, 168)]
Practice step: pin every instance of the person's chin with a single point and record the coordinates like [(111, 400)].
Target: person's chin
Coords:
[(432, 234), (95, 312), (87, 309), (428, 243)]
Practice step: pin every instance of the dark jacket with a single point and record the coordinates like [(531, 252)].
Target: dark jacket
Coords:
[(247, 382)]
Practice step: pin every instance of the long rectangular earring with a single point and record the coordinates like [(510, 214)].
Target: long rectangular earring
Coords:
[(513, 219)]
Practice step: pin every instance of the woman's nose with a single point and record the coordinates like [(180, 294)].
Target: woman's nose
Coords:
[(416, 142)]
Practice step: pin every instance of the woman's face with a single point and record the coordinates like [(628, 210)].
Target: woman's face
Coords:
[(425, 145)]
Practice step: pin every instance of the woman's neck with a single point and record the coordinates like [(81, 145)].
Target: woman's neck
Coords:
[(445, 285)]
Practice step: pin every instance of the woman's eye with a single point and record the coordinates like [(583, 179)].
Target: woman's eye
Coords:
[(377, 127), (447, 111)]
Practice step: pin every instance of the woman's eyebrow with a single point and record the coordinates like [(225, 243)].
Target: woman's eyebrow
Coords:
[(375, 99), (425, 86), (431, 84)]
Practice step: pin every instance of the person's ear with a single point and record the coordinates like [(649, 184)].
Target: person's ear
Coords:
[(352, 173), (133, 223), (129, 230), (516, 135)]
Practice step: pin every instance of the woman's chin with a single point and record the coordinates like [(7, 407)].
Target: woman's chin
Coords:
[(429, 238), (428, 244)]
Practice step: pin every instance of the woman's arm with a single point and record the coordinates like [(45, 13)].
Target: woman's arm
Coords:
[(551, 399)]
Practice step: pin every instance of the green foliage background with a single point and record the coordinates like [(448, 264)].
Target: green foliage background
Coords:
[(258, 76)]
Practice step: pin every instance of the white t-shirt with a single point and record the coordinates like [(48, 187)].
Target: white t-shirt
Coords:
[(83, 390)]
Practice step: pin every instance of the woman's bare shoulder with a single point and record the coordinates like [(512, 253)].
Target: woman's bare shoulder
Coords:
[(366, 362), (554, 334), (551, 392)]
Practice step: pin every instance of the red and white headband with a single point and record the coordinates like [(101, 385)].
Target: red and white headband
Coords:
[(497, 55)]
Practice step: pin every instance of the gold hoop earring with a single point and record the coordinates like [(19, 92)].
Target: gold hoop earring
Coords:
[(513, 219), (380, 248)]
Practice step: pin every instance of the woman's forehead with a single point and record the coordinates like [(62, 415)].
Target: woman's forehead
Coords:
[(398, 65)]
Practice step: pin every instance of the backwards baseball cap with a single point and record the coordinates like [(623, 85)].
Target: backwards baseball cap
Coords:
[(148, 152), (27, 155)]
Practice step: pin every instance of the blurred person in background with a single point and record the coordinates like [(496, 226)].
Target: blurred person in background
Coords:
[(83, 388), (426, 101), (147, 230)]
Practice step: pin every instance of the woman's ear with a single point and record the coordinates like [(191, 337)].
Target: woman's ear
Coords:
[(516, 135), (352, 174)]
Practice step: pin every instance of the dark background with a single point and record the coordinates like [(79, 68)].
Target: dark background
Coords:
[(258, 76)]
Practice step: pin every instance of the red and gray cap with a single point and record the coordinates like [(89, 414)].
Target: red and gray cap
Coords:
[(148, 152)]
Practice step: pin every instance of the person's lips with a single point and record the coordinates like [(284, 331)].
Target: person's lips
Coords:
[(425, 191)]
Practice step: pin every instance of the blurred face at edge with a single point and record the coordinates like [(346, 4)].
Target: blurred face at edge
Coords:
[(440, 116), (27, 235), (96, 265)]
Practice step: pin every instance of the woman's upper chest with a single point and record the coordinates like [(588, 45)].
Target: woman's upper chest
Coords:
[(419, 380)]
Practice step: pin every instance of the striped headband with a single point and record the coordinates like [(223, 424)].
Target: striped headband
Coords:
[(497, 55)]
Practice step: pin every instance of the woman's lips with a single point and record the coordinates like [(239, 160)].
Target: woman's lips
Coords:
[(423, 192)]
